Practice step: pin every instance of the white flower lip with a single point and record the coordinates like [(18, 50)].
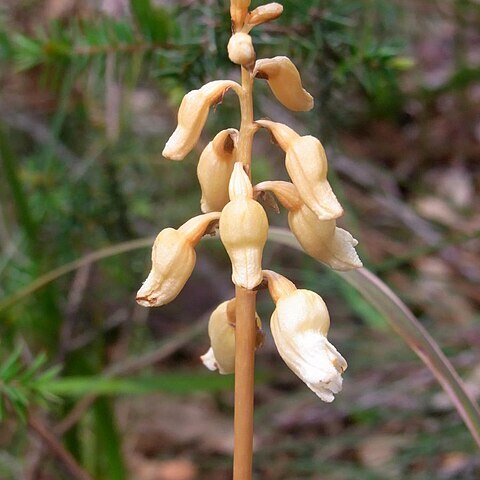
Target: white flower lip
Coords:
[(209, 360), (313, 359), (299, 327)]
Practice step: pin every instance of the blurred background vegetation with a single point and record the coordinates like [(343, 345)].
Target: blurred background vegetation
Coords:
[(90, 382)]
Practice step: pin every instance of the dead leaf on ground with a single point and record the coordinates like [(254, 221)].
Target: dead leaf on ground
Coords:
[(163, 422), (377, 451)]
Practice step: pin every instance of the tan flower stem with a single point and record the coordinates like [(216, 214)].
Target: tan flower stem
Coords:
[(245, 340), (247, 126), (246, 328)]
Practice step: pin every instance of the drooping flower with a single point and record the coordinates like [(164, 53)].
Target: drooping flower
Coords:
[(221, 330), (306, 164), (192, 115), (299, 326), (284, 80), (214, 170), (173, 260), (262, 14), (321, 239)]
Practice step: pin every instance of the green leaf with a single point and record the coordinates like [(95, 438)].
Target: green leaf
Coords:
[(172, 383), (11, 366), (154, 22), (28, 52), (361, 307), (33, 368), (107, 436)]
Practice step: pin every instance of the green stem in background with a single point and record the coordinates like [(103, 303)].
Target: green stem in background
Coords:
[(29, 227), (108, 441), (402, 320), (10, 169), (75, 265)]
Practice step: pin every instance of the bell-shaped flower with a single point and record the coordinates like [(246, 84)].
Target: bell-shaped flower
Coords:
[(214, 170), (173, 260), (321, 239), (284, 80), (221, 330), (192, 115), (244, 230), (299, 326), (306, 164)]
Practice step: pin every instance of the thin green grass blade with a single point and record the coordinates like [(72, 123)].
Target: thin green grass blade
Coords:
[(112, 462), (404, 323), (174, 383), (88, 259)]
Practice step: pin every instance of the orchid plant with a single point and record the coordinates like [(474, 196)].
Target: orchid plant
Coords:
[(230, 204)]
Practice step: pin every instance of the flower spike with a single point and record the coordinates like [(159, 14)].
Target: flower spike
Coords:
[(299, 327), (192, 116), (300, 321)]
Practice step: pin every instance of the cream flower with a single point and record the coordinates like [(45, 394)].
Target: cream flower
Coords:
[(221, 330), (299, 327), (243, 230), (173, 260), (321, 239)]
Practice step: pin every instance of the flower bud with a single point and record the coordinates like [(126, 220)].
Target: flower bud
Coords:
[(321, 239), (306, 163), (244, 230), (285, 82), (192, 116), (221, 330), (214, 170), (299, 326), (238, 12), (240, 49), (173, 260), (263, 14)]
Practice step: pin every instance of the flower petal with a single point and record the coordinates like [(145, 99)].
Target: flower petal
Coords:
[(209, 360), (299, 327), (313, 359)]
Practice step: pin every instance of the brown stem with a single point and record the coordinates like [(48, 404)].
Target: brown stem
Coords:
[(246, 327), (74, 469), (247, 127), (245, 338)]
